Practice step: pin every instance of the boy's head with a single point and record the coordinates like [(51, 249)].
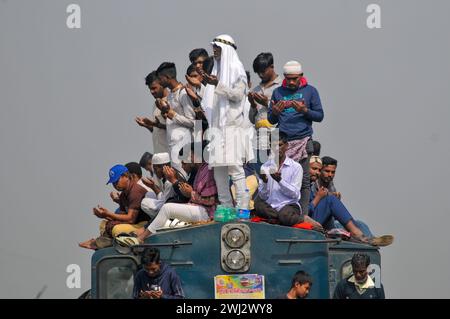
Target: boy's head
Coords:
[(198, 57), (263, 66), (301, 283)]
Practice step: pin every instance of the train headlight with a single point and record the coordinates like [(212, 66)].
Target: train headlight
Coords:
[(235, 238), (235, 260), (235, 248)]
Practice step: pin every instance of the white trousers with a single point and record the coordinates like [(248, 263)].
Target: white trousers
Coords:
[(237, 174), (184, 212)]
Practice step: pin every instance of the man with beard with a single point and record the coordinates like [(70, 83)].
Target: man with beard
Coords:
[(226, 109), (294, 106), (327, 174), (157, 124), (167, 177), (179, 111), (202, 197), (279, 189), (359, 285), (156, 279), (324, 208)]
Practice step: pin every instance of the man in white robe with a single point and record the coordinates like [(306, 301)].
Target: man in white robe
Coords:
[(230, 131)]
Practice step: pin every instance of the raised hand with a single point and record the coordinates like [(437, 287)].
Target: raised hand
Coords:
[(278, 107), (299, 106), (193, 81), (186, 189), (170, 174), (261, 99)]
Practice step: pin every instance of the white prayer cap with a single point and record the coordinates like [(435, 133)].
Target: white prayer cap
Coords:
[(224, 38), (160, 158), (292, 67)]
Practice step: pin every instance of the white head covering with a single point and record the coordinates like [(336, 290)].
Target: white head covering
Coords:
[(160, 158), (229, 71), (292, 67)]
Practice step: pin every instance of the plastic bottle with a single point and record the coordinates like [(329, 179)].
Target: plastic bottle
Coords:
[(243, 211)]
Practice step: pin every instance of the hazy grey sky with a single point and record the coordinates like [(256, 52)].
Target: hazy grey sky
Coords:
[(68, 98)]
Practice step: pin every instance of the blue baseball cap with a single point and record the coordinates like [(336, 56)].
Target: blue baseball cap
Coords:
[(115, 172)]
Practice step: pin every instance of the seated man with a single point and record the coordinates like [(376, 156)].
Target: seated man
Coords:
[(202, 203), (279, 189), (324, 208), (301, 284), (130, 217), (359, 285), (136, 175), (146, 163), (167, 176), (156, 280), (326, 177)]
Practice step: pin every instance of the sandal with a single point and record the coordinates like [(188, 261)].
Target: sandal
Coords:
[(380, 241)]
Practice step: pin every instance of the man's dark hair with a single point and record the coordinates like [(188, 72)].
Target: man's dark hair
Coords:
[(326, 160), (262, 62), (208, 65), (134, 168), (150, 255), (191, 68), (196, 53), (316, 148), (360, 259), (150, 78), (167, 69), (145, 158), (302, 277)]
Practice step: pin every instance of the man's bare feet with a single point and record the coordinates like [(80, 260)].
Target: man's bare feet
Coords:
[(138, 232), (316, 225), (381, 241), (89, 244)]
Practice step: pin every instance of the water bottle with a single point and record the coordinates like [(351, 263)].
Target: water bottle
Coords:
[(242, 206)]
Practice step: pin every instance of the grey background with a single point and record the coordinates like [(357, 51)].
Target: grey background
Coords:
[(68, 99)]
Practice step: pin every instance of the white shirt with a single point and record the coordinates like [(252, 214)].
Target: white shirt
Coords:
[(287, 191), (159, 136)]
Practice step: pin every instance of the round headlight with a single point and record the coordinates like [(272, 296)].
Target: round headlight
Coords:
[(235, 238), (235, 260)]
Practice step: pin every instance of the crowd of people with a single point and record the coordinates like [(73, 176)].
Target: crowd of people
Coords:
[(217, 141)]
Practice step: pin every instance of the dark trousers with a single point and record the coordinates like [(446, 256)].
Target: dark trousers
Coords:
[(289, 215), (305, 190)]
